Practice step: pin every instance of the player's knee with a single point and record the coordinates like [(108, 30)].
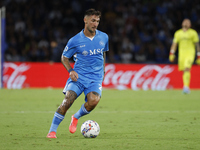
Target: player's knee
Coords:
[(187, 69), (93, 101)]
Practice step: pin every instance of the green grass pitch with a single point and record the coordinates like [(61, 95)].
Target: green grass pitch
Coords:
[(139, 120)]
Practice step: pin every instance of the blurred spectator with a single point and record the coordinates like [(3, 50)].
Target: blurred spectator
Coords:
[(141, 55), (139, 31), (20, 25), (56, 50), (126, 56), (161, 53), (11, 55)]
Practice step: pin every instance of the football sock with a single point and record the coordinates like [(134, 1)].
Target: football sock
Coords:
[(82, 111), (56, 121), (186, 78)]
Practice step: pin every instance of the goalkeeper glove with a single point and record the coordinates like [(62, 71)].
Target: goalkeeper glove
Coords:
[(171, 56), (198, 58)]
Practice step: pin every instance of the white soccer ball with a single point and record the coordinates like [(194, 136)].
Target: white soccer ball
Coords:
[(90, 129)]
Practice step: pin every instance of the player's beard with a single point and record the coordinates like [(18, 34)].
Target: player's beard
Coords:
[(91, 30), (185, 28)]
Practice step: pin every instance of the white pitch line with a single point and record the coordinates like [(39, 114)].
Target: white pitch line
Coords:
[(104, 112)]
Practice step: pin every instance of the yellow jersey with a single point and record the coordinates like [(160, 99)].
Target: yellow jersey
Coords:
[(186, 41)]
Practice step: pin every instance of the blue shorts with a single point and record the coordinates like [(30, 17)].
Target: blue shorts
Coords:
[(78, 87)]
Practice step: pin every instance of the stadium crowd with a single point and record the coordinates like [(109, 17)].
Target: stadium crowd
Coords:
[(140, 31)]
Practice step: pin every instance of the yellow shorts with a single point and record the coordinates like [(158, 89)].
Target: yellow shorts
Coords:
[(185, 62)]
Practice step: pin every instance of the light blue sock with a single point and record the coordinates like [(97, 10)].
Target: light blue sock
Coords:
[(82, 111), (56, 121)]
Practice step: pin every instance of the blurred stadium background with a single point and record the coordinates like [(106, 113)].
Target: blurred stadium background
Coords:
[(140, 31)]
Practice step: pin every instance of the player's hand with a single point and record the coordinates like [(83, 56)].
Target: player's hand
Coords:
[(73, 75), (198, 60), (171, 57)]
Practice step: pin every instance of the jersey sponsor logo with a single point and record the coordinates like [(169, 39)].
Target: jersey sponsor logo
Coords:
[(96, 51), (85, 53)]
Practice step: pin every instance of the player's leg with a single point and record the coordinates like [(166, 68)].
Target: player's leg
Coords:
[(71, 92), (93, 95), (60, 113), (186, 80), (93, 99), (187, 75)]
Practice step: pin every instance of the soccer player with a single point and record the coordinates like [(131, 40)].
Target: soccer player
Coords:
[(88, 48), (187, 40)]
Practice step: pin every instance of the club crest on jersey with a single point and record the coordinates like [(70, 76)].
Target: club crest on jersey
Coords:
[(66, 48), (101, 43), (85, 53)]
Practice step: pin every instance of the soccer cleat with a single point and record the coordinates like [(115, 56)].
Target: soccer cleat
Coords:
[(73, 124), (51, 135), (186, 90)]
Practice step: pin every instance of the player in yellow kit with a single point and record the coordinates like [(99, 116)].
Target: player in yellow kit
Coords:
[(187, 40)]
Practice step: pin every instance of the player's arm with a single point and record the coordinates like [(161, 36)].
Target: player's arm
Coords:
[(65, 61), (104, 56), (198, 53), (172, 52)]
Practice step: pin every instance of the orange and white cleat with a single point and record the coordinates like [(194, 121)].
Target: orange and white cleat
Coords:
[(51, 135), (73, 124)]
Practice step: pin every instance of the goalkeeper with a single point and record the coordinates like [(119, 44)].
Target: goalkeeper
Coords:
[(187, 40)]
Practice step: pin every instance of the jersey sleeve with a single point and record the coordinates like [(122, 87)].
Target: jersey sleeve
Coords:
[(196, 37), (107, 44), (175, 40), (69, 49)]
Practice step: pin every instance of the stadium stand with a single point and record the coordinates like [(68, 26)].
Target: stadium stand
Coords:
[(140, 31)]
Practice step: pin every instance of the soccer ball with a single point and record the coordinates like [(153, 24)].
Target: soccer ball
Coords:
[(90, 129)]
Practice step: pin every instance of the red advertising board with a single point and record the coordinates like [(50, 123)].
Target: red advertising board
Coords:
[(119, 76)]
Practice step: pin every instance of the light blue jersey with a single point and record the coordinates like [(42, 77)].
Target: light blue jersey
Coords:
[(89, 65), (89, 62), (88, 55)]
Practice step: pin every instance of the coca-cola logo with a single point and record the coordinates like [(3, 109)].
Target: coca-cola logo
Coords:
[(13, 77), (148, 77)]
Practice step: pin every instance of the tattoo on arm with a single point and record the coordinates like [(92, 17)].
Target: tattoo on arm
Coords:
[(65, 62)]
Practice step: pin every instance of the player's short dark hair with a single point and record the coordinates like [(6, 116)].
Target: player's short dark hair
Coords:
[(91, 12)]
